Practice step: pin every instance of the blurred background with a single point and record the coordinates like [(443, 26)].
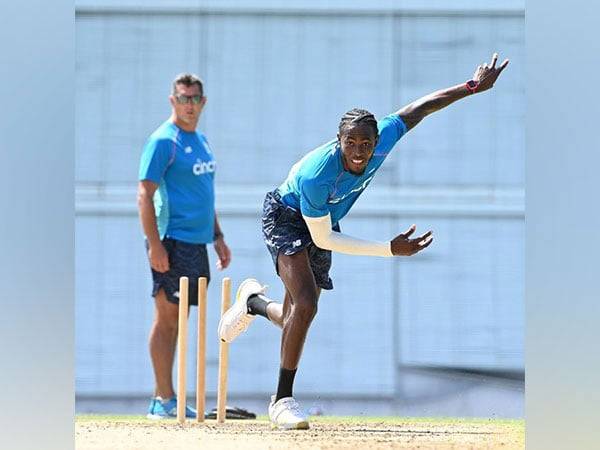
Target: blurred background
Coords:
[(437, 334)]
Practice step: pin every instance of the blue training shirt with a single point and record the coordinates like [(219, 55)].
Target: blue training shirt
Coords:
[(182, 165), (318, 184)]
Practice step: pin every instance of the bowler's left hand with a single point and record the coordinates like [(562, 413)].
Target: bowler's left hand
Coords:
[(487, 74), (223, 253)]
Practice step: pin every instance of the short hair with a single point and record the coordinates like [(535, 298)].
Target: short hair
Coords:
[(187, 79), (358, 116)]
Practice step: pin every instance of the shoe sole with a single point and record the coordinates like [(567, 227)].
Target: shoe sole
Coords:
[(304, 425), (157, 417)]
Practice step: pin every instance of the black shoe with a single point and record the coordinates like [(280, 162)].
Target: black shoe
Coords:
[(231, 413)]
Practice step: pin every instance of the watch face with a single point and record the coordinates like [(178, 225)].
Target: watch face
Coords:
[(472, 85)]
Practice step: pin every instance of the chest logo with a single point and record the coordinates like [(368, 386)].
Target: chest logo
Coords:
[(202, 167), (188, 149)]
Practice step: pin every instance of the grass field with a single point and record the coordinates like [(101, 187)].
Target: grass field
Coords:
[(326, 432)]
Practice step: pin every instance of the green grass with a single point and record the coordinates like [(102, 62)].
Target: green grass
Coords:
[(109, 418), (436, 420), (331, 419)]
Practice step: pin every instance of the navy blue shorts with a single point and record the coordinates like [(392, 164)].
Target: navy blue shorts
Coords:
[(285, 231), (185, 260)]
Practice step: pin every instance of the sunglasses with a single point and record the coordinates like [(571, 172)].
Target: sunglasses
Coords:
[(185, 99)]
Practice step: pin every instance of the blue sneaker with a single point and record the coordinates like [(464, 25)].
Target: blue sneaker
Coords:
[(160, 409), (151, 407)]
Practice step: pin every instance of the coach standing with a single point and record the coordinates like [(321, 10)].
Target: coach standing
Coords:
[(176, 203)]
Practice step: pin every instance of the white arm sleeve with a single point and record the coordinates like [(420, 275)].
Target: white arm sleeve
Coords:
[(324, 237)]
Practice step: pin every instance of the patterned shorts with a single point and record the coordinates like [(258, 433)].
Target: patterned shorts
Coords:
[(285, 231), (185, 260)]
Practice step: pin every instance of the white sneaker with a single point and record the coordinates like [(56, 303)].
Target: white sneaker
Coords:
[(286, 414), (236, 319)]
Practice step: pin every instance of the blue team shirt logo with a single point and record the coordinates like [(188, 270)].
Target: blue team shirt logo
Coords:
[(202, 167)]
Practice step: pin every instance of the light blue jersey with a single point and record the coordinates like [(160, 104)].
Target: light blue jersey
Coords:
[(183, 166), (318, 184)]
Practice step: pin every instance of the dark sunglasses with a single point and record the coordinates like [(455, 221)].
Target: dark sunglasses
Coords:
[(185, 99)]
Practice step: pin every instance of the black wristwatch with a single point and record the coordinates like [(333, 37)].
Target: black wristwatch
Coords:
[(472, 86)]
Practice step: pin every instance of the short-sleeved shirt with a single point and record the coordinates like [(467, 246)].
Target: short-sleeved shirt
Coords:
[(318, 184), (183, 166)]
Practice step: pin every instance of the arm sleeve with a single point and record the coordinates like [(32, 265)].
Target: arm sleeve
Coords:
[(156, 157), (324, 237), (391, 129)]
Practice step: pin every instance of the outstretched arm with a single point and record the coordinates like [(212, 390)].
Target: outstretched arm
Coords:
[(483, 79), (324, 237)]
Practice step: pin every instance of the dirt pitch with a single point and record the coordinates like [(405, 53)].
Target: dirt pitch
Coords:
[(112, 433)]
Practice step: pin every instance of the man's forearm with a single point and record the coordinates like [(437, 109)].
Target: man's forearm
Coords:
[(324, 237), (148, 220), (483, 79), (414, 112), (218, 232)]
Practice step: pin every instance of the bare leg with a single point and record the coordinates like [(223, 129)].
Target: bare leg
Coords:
[(163, 340), (275, 310), (299, 306), (275, 313)]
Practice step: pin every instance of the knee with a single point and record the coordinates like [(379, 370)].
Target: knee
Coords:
[(166, 315), (305, 308), (167, 326)]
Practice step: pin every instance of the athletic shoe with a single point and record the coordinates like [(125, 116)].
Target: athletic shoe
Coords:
[(160, 409), (286, 414), (236, 319)]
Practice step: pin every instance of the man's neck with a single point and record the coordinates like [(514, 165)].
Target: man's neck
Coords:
[(182, 125)]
